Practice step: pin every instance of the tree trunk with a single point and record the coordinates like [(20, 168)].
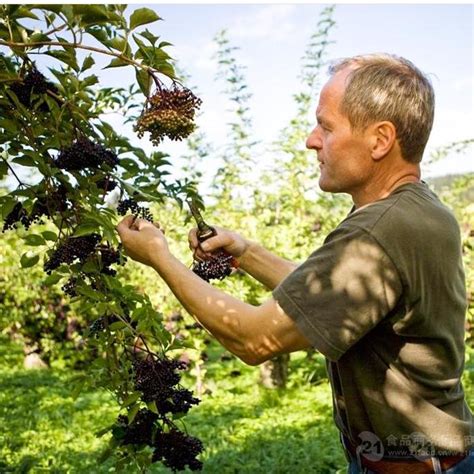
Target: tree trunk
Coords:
[(32, 359), (274, 372)]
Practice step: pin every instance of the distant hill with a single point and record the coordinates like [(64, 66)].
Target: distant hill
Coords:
[(441, 182)]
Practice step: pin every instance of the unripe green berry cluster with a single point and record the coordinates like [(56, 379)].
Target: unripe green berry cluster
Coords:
[(170, 113)]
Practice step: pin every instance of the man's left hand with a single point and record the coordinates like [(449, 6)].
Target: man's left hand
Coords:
[(142, 240)]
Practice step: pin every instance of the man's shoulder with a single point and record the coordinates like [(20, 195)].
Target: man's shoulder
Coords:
[(411, 211)]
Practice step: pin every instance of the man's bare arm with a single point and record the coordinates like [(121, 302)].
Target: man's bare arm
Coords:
[(253, 333), (266, 267)]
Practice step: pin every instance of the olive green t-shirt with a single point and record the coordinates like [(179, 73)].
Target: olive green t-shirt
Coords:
[(384, 300)]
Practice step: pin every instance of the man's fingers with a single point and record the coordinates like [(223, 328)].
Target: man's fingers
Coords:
[(192, 239), (200, 255), (143, 224), (124, 224), (158, 226), (214, 243)]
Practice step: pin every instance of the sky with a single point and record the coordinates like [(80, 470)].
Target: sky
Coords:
[(272, 38)]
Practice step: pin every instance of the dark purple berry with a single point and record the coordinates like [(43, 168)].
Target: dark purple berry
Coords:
[(71, 249), (131, 206), (83, 154), (217, 268), (177, 450)]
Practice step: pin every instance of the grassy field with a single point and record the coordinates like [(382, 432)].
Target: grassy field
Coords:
[(245, 428)]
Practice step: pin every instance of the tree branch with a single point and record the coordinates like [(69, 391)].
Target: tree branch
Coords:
[(39, 44), (13, 172)]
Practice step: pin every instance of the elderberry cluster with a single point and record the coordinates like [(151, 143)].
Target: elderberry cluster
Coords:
[(217, 267), (17, 215), (71, 249), (108, 257), (177, 450), (55, 201), (106, 184), (69, 287), (140, 430), (174, 448), (157, 380), (130, 205), (84, 153), (101, 323), (170, 113), (45, 205), (33, 82)]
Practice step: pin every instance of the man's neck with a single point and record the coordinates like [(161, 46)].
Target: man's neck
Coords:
[(376, 190)]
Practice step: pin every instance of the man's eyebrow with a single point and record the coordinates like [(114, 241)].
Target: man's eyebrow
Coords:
[(321, 119)]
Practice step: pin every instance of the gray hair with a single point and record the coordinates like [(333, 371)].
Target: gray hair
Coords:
[(388, 87)]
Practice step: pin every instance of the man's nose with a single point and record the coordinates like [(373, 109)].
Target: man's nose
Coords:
[(313, 142)]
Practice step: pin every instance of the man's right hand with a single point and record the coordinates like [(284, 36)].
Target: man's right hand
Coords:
[(227, 240)]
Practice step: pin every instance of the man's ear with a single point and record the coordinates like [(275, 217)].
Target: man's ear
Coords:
[(382, 139)]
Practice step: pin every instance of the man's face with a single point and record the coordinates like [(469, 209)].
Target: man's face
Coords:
[(343, 154)]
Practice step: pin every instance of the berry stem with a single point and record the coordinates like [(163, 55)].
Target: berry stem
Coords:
[(13, 172)]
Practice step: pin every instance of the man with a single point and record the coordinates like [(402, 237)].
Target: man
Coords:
[(383, 299)]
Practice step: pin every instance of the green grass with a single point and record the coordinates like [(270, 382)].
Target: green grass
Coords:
[(245, 428)]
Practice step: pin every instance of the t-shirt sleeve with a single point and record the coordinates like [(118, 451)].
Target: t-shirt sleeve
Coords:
[(342, 291)]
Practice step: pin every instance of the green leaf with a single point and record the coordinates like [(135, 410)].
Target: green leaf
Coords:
[(52, 279), (24, 12), (90, 266), (99, 35), (58, 8), (34, 240), (88, 63), (131, 190), (39, 37), (116, 62), (7, 204), (49, 235), (28, 260), (178, 415), (90, 80), (152, 407), (132, 398), (103, 431), (91, 13), (164, 44), (66, 57), (3, 169), (24, 161), (79, 383), (85, 229), (150, 37), (144, 81), (105, 455), (118, 43), (117, 325), (165, 68), (129, 165), (133, 412), (142, 16), (93, 295)]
